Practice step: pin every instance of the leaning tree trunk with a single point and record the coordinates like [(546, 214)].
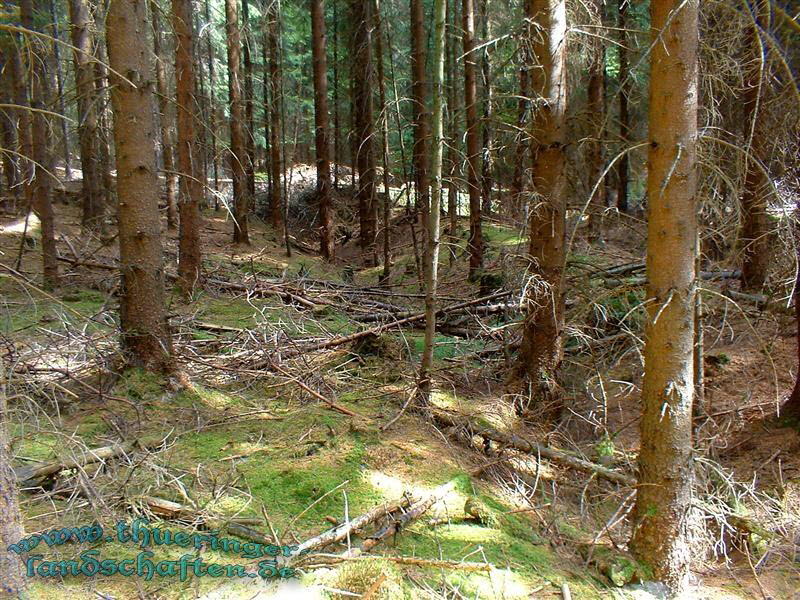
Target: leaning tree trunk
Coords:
[(322, 144), (594, 107), (543, 329), (41, 182), (143, 319), (88, 134), (420, 115), (12, 583), (191, 185), (662, 511), (475, 241), (162, 92), (241, 200), (432, 253), (275, 137), (363, 81), (754, 240)]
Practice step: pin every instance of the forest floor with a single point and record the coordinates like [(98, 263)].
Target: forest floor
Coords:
[(261, 431)]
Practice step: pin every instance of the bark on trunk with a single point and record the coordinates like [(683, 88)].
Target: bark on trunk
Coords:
[(662, 512), (432, 250), (275, 138), (162, 92), (385, 155), (486, 75), (88, 140), (248, 101), (42, 182), (754, 240), (59, 87), (191, 185), (322, 144), (25, 165), (241, 200), (522, 139), (595, 107), (792, 407), (624, 95), (212, 104), (363, 81), (143, 319), (475, 241), (542, 342), (420, 115)]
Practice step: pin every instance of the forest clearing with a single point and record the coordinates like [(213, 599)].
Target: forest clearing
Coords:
[(428, 300)]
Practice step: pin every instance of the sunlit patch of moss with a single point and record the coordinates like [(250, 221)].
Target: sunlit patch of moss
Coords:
[(359, 576), (34, 445), (91, 427), (498, 583)]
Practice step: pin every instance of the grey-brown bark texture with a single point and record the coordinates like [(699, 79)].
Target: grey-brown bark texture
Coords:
[(145, 334), (189, 163), (321, 129), (542, 342), (624, 94), (473, 162), (596, 111), (88, 140), (165, 121), (755, 226), (241, 197), (363, 80), (662, 511), (44, 165), (275, 138), (420, 116)]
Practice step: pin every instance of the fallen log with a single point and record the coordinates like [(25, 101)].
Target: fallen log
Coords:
[(31, 475), (332, 343), (704, 275), (341, 532), (518, 443), (395, 525), (761, 301), (478, 310)]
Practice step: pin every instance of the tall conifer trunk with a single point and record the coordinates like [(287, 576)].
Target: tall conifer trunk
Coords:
[(661, 516), (473, 162), (543, 329), (143, 319)]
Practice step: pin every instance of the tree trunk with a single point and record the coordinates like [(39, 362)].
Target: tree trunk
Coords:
[(191, 186), (434, 212), (475, 241), (322, 144), (12, 584), (453, 137), (754, 240), (88, 136), (143, 319), (792, 407), (275, 137), (522, 140), (488, 151), (624, 95), (387, 197), (248, 100), (162, 93), (363, 81), (59, 73), (25, 164), (212, 104), (420, 115), (104, 142), (9, 120), (41, 182), (661, 515), (595, 107), (542, 342), (241, 200), (337, 158)]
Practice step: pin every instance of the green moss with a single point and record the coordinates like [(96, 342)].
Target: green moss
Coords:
[(138, 384), (356, 577)]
